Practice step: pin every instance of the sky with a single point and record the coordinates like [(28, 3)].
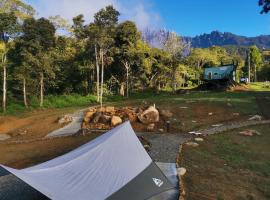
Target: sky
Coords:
[(186, 17)]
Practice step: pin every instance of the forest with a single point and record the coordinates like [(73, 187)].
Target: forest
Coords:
[(41, 57)]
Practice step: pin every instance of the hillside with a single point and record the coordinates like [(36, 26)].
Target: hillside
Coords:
[(215, 38)]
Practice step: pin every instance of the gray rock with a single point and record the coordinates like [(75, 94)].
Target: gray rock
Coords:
[(256, 118), (65, 119), (192, 144), (151, 127), (199, 139), (150, 115), (181, 171), (4, 137)]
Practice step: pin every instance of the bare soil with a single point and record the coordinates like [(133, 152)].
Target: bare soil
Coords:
[(36, 125)]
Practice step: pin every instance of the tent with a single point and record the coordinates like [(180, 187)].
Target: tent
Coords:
[(114, 166)]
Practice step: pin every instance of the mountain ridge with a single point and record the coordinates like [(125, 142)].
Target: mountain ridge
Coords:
[(216, 38)]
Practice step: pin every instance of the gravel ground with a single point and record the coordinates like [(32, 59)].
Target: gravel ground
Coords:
[(164, 147)]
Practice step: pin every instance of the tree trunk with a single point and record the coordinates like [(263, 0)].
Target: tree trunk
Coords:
[(97, 66), (249, 66), (4, 83), (41, 89), (255, 73), (127, 73), (24, 94), (122, 89), (174, 80), (102, 77)]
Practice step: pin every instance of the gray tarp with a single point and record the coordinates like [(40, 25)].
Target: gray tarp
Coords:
[(100, 169)]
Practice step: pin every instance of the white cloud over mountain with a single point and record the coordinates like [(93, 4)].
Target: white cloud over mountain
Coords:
[(140, 11)]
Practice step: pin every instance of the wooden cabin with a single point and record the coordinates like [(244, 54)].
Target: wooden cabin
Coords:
[(220, 73)]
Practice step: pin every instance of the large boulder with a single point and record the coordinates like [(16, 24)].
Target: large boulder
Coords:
[(104, 119), (149, 116), (116, 121), (88, 116), (96, 117), (107, 109)]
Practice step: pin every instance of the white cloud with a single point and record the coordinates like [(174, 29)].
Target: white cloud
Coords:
[(136, 10)]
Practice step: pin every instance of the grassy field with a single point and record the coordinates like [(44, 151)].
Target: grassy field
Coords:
[(243, 101), (229, 166), (264, 86)]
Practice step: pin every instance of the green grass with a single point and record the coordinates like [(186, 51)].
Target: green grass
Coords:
[(259, 86), (237, 163), (242, 102)]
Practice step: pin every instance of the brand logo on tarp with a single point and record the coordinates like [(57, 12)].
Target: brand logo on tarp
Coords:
[(158, 182)]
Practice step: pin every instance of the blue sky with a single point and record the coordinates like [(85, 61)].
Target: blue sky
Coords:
[(186, 17)]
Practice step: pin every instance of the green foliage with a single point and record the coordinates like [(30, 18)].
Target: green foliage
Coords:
[(68, 63), (18, 7)]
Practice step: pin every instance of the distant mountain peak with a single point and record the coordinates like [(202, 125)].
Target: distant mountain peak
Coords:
[(155, 38), (217, 38)]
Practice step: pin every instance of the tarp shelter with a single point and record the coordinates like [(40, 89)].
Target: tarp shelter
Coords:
[(114, 166)]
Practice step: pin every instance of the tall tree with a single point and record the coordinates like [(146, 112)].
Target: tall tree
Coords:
[(8, 28), (39, 38), (105, 20), (127, 36), (20, 9), (256, 60), (176, 47)]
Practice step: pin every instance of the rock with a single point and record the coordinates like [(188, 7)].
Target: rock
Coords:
[(210, 114), (88, 116), (184, 107), (161, 130), (65, 119), (217, 125), (104, 119), (236, 114), (229, 104), (193, 121), (249, 133), (151, 127), (166, 113), (4, 137), (181, 171), (147, 147), (256, 132), (195, 133), (96, 117), (110, 109), (255, 118), (116, 120), (246, 133), (23, 132), (199, 139), (92, 109), (192, 144), (150, 115)]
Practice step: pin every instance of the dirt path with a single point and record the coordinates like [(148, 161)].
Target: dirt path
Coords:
[(36, 124), (228, 127)]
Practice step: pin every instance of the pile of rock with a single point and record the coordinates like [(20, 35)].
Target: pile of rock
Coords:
[(108, 117)]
